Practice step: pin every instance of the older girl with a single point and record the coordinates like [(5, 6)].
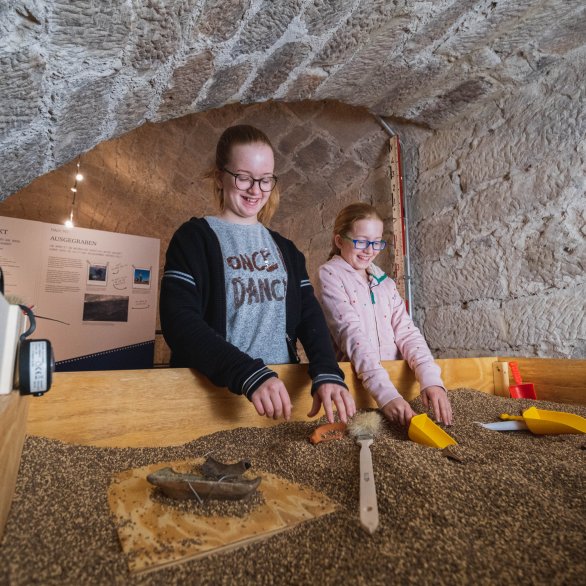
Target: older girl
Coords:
[(368, 320), (235, 296)]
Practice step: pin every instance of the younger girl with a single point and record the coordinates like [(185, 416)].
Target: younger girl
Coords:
[(368, 320)]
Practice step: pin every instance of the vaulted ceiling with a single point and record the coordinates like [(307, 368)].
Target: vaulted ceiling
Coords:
[(75, 73)]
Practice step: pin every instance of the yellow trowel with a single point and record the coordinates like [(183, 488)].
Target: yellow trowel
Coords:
[(423, 430), (544, 422), (540, 422)]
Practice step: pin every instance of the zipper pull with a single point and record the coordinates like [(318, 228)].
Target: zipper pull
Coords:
[(371, 286), (292, 349)]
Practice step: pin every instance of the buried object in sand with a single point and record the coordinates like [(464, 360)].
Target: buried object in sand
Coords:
[(182, 486), (327, 432)]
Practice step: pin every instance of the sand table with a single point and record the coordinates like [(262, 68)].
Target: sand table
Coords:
[(513, 511)]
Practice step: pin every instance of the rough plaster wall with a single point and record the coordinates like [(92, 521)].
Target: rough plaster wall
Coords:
[(147, 182), (499, 225), (74, 73)]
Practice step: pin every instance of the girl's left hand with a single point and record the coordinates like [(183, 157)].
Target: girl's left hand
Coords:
[(330, 394), (437, 398)]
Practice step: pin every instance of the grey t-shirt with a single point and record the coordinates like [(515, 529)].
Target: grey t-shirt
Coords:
[(256, 283)]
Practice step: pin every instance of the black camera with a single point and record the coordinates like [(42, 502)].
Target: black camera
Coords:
[(35, 362)]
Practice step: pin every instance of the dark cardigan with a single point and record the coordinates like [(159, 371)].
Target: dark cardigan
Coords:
[(193, 314)]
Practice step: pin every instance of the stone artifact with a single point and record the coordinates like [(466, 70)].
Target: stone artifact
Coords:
[(220, 482)]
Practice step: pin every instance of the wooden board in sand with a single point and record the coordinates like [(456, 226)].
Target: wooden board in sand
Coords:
[(155, 535)]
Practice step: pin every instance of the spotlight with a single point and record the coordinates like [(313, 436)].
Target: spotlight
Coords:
[(78, 177)]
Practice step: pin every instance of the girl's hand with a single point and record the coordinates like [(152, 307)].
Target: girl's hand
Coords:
[(330, 394), (437, 398), (272, 399), (398, 410)]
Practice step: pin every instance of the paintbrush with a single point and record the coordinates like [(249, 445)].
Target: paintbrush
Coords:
[(364, 426)]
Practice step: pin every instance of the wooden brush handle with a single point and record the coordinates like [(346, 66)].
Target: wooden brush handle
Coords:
[(368, 504)]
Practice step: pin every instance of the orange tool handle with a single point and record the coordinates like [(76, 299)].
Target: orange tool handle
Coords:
[(329, 431), (516, 374)]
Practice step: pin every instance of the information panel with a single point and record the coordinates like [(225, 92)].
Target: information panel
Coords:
[(94, 293)]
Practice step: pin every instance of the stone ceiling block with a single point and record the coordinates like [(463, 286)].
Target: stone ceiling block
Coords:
[(434, 111), (320, 16), (133, 106), (304, 86), (21, 161), (264, 29), (444, 20), (224, 86), (220, 19), (275, 70), (20, 101), (185, 85), (425, 63), (566, 34), (546, 24), (483, 24), (357, 31), (156, 32), (406, 83), (100, 28), (77, 130)]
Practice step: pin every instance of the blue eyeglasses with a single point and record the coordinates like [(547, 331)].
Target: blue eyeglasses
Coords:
[(364, 244)]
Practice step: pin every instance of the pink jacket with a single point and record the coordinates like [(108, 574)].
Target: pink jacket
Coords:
[(370, 323)]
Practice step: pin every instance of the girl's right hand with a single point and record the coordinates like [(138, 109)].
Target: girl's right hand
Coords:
[(398, 410), (272, 399)]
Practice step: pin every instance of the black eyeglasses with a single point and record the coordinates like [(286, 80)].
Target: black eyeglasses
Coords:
[(246, 182), (364, 244)]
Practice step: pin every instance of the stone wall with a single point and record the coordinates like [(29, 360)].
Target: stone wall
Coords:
[(499, 225), (148, 181), (491, 93), (496, 201)]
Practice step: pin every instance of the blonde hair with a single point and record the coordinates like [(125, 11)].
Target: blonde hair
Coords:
[(241, 134), (346, 218)]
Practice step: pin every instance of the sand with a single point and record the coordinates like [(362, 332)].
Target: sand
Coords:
[(512, 512)]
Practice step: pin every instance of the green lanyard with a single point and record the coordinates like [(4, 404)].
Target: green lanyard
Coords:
[(378, 282)]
